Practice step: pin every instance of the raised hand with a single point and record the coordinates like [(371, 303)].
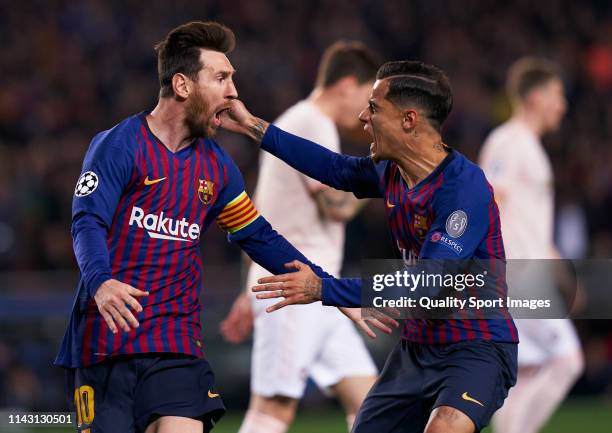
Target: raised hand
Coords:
[(238, 119)]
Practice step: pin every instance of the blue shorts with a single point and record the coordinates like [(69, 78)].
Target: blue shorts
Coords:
[(125, 394), (472, 376)]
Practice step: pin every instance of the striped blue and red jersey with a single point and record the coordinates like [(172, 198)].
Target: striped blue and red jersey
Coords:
[(138, 213), (420, 218), (455, 196)]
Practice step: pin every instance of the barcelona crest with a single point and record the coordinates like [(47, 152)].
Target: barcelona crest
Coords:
[(206, 190)]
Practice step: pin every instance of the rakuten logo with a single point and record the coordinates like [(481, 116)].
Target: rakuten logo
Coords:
[(159, 227)]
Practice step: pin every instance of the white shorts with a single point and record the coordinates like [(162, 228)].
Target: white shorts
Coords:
[(540, 339), (302, 341), (543, 339)]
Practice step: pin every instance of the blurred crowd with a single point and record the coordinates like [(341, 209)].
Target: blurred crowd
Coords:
[(73, 68)]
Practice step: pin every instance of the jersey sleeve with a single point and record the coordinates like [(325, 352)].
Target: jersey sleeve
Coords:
[(238, 216), (346, 173), (107, 170), (341, 292), (463, 217)]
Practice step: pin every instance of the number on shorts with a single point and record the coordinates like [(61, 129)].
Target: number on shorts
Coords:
[(84, 402)]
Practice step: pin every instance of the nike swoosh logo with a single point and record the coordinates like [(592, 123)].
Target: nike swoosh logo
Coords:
[(212, 394), (465, 396), (389, 205), (148, 181)]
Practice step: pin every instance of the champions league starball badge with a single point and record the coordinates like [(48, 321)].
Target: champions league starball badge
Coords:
[(456, 223), (87, 183)]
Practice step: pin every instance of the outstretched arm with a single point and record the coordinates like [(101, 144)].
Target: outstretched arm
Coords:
[(347, 173), (250, 231)]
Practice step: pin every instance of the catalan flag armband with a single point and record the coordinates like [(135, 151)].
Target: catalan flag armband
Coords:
[(237, 214)]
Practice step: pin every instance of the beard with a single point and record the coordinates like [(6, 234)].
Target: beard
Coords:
[(198, 124)]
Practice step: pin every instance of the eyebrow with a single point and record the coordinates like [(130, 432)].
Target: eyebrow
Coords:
[(225, 73)]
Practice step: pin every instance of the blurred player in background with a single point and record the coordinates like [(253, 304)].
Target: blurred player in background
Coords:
[(298, 343), (516, 164), (149, 187)]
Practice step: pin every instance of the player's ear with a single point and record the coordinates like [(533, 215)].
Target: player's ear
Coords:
[(180, 86), (410, 118)]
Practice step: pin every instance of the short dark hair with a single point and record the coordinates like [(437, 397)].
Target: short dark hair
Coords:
[(179, 52), (528, 73), (412, 82), (346, 59)]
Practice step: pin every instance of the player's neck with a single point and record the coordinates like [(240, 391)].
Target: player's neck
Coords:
[(529, 120), (325, 103), (419, 158), (167, 122)]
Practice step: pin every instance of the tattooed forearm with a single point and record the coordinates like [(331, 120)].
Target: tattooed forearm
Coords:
[(312, 288), (257, 129)]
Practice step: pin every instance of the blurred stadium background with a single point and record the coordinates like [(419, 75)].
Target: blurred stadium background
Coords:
[(72, 68)]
